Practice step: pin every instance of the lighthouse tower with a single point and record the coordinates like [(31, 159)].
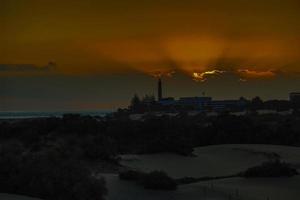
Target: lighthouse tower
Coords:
[(159, 89)]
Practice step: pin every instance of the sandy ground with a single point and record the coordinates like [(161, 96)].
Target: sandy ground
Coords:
[(220, 160), (15, 197), (214, 160), (261, 188), (125, 190)]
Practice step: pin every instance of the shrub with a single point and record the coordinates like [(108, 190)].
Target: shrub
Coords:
[(159, 180), (49, 177), (271, 169), (98, 148), (156, 180)]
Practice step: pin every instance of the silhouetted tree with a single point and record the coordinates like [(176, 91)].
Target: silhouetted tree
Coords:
[(49, 176), (135, 103), (274, 168), (257, 103)]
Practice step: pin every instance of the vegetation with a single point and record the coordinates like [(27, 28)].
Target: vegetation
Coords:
[(147, 103), (46, 175), (36, 153), (159, 180), (270, 169), (94, 139), (156, 180)]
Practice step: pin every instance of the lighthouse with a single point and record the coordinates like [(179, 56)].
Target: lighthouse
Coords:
[(159, 89)]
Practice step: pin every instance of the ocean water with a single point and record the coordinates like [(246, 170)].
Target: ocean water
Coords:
[(39, 114)]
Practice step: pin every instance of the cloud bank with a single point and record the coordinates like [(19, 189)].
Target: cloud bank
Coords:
[(27, 68)]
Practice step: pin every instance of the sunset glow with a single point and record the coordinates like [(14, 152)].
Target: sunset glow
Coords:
[(203, 76), (217, 42)]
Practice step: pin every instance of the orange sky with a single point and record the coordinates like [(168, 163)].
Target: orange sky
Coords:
[(96, 36), (251, 39)]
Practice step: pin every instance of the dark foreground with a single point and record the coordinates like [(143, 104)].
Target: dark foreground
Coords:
[(48, 156)]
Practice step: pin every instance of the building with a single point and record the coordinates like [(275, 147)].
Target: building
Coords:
[(169, 101), (295, 100), (227, 105), (295, 97), (198, 103)]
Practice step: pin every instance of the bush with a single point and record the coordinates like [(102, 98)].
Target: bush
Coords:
[(271, 169), (159, 180), (98, 148), (49, 177), (156, 180)]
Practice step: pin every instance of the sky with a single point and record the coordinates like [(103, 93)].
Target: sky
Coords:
[(95, 54)]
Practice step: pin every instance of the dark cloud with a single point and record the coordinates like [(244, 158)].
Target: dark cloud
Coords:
[(27, 67)]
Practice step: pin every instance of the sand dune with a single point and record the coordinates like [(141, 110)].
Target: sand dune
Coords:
[(15, 197), (220, 160), (216, 160)]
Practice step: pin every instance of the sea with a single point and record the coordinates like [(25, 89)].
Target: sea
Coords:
[(40, 114)]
